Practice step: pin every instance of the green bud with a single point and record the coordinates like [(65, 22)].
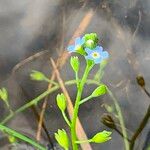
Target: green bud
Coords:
[(101, 137), (74, 61), (61, 102), (90, 44), (108, 108), (91, 40), (4, 94), (62, 138), (102, 89), (37, 75), (12, 139)]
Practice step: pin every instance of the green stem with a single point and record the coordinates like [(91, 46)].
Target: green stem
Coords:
[(21, 136), (40, 97), (32, 102), (9, 108), (76, 107), (65, 118), (122, 124), (52, 82), (77, 79), (84, 141), (85, 99)]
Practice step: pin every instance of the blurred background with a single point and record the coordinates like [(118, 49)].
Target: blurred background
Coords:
[(33, 31)]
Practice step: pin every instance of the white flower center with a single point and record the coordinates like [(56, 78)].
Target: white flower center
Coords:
[(90, 42), (95, 55)]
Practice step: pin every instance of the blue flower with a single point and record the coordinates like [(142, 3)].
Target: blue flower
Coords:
[(97, 54), (77, 46)]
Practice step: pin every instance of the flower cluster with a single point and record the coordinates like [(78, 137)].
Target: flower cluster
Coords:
[(88, 46)]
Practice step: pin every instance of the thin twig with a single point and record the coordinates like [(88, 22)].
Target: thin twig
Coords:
[(120, 133), (27, 60), (79, 129), (140, 128), (36, 113), (41, 117), (141, 83), (138, 25)]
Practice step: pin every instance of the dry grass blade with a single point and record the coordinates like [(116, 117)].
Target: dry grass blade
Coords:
[(29, 59), (79, 129)]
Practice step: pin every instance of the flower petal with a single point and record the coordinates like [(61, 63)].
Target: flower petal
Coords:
[(71, 48), (88, 50), (105, 54), (89, 57), (99, 48), (82, 41), (98, 60), (78, 41)]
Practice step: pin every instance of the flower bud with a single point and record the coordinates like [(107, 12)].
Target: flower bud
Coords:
[(91, 40), (61, 102), (140, 80), (37, 75), (108, 108), (74, 61), (108, 121), (4, 94), (12, 139), (101, 137), (62, 138), (101, 90), (90, 44)]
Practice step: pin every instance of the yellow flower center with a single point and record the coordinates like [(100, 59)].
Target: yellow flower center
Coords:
[(95, 55)]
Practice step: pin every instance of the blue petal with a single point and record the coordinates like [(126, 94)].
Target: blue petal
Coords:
[(89, 57), (99, 49), (98, 60), (71, 48), (82, 41), (78, 41), (105, 54), (88, 50)]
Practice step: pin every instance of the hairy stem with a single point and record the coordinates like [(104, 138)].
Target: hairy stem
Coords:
[(76, 107)]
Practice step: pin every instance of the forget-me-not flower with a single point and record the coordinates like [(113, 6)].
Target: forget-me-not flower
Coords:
[(77, 47), (97, 54)]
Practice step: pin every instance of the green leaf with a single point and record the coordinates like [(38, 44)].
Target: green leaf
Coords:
[(21, 137), (101, 90)]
